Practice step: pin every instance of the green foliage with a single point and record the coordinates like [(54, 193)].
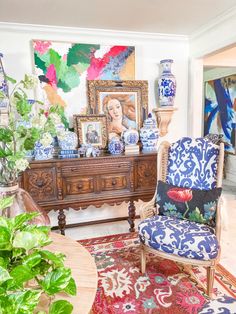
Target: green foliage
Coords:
[(196, 216), (23, 261)]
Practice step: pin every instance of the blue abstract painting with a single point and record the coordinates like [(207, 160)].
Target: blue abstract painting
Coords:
[(220, 109)]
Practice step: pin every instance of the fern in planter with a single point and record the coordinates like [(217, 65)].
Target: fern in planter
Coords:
[(27, 270)]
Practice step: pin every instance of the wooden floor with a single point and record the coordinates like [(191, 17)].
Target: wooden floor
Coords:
[(228, 256)]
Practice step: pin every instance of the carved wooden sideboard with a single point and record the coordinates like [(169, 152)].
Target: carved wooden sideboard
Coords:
[(60, 184)]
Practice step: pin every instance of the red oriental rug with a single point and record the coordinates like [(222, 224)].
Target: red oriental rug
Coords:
[(167, 287)]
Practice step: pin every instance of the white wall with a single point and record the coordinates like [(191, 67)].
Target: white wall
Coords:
[(15, 42)]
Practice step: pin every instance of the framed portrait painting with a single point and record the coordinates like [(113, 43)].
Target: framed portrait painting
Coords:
[(125, 103), (91, 129)]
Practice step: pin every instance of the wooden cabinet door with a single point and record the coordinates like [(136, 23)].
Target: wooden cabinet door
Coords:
[(41, 183)]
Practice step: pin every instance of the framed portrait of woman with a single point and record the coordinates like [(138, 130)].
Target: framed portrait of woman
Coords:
[(91, 129), (125, 103)]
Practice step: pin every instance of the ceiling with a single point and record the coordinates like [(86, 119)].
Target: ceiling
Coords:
[(182, 17)]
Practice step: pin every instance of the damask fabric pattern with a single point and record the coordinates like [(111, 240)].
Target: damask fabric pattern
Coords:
[(176, 236), (192, 163)]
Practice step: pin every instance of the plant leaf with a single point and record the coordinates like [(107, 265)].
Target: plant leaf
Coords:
[(5, 238), (6, 202), (25, 240), (71, 287), (61, 307), (10, 79), (56, 258), (21, 274), (56, 280), (25, 301), (4, 275), (32, 260), (19, 220)]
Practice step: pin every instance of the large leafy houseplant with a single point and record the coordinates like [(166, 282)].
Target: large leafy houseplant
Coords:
[(27, 270)]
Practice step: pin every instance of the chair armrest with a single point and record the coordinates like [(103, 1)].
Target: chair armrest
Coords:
[(219, 220), (148, 210)]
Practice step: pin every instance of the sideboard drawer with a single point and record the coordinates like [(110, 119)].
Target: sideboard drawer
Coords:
[(114, 182), (73, 186)]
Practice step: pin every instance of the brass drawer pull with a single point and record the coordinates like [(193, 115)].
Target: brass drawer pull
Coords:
[(80, 186), (114, 182), (147, 174)]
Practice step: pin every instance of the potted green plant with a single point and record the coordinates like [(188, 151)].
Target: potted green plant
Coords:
[(28, 270)]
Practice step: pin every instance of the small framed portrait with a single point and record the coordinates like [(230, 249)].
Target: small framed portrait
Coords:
[(125, 103), (91, 129)]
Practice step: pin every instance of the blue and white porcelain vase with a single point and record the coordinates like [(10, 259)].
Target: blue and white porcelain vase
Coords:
[(166, 84), (41, 152), (68, 141), (130, 136), (149, 134), (115, 146)]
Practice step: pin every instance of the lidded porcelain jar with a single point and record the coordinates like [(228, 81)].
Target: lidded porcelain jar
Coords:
[(149, 134), (130, 136), (115, 146), (166, 84), (68, 140)]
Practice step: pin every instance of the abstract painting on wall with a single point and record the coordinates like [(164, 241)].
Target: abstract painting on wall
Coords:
[(63, 69), (220, 110)]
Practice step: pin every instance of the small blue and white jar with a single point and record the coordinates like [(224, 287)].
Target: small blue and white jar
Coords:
[(41, 152), (68, 140), (166, 84), (115, 146), (149, 134), (130, 137)]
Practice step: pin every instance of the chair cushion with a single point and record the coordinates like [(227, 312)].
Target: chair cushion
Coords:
[(192, 163), (181, 237), (195, 205)]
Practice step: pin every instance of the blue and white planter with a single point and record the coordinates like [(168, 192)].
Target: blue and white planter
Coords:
[(166, 84), (41, 152)]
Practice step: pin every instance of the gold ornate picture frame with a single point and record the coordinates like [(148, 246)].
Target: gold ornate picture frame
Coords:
[(91, 129), (125, 103)]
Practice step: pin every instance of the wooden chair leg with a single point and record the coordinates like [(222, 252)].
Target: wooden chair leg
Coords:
[(210, 280), (143, 259)]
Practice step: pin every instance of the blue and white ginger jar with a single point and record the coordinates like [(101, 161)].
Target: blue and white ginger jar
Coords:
[(115, 146), (68, 140), (41, 152), (130, 136), (149, 134), (166, 84)]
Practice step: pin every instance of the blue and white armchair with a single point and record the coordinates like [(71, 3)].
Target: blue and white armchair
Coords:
[(182, 221)]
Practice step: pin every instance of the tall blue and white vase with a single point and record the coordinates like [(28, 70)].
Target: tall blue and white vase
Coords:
[(166, 84)]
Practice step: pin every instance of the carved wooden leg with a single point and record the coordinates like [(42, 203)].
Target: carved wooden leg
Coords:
[(131, 218), (143, 259), (210, 280), (62, 221)]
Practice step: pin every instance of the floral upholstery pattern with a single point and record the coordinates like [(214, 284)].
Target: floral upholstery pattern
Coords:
[(192, 204), (192, 163), (181, 237)]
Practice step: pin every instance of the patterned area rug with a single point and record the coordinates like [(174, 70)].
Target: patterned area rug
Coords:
[(167, 287)]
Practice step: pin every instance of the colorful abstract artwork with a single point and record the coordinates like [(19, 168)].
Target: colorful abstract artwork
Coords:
[(64, 68), (220, 110)]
